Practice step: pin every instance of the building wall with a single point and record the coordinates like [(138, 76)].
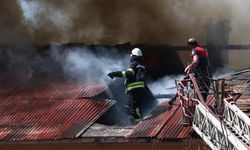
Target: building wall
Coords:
[(184, 145), (239, 59)]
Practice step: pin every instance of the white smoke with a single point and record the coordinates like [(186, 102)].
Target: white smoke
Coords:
[(34, 10), (165, 85), (222, 73), (84, 65), (41, 15)]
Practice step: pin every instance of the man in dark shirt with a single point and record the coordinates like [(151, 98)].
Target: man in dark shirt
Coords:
[(199, 66)]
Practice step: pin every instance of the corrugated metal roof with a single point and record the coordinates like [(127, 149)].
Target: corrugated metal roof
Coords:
[(54, 111), (240, 82), (49, 119), (54, 90), (167, 125)]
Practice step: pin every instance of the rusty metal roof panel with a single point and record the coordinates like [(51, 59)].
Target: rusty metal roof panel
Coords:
[(85, 90), (173, 128), (49, 111), (240, 82), (165, 126), (147, 128), (185, 132), (52, 91), (49, 119)]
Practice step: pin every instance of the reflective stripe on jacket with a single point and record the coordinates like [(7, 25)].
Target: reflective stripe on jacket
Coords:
[(134, 85), (134, 76)]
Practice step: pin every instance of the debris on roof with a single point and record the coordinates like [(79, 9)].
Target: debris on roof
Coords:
[(167, 125), (100, 130), (240, 82)]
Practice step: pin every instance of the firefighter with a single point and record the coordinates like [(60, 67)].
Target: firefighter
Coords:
[(134, 84), (199, 66)]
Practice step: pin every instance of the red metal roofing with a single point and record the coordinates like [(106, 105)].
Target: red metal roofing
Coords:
[(49, 111), (58, 91), (165, 126), (240, 83), (168, 125), (49, 119)]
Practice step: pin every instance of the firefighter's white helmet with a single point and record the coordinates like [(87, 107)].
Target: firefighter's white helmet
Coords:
[(136, 52)]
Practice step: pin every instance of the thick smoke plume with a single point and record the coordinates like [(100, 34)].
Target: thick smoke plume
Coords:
[(81, 64), (165, 85), (113, 21), (22, 62)]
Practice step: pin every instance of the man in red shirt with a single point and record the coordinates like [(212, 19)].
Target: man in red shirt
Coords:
[(199, 66)]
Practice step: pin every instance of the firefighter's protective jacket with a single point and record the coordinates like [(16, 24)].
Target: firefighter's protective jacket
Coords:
[(135, 76)]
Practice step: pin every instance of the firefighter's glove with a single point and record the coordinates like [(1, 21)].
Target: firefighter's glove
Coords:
[(112, 74)]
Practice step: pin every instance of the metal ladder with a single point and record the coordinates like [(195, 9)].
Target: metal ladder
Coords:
[(229, 129), (217, 133)]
